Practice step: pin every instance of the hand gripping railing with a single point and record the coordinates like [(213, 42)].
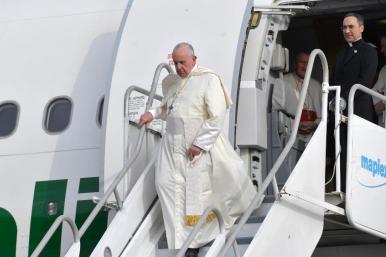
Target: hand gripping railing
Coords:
[(78, 234), (127, 120), (197, 227), (271, 175)]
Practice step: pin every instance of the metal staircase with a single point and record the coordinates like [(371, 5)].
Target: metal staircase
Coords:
[(133, 209), (289, 223)]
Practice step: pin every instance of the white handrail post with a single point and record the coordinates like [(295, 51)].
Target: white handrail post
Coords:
[(118, 198), (236, 249), (275, 188), (338, 148), (232, 235)]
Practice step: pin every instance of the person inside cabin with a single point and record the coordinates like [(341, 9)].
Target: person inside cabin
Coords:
[(355, 64), (286, 98), (380, 85), (197, 167)]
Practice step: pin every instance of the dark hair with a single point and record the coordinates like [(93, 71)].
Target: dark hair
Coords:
[(360, 19), (297, 54)]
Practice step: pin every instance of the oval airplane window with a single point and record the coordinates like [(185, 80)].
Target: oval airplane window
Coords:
[(58, 115), (9, 113)]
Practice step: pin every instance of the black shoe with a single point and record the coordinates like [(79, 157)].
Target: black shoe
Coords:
[(192, 252)]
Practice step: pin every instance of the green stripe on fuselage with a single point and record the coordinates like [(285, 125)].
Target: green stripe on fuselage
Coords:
[(94, 231), (89, 185), (53, 191), (8, 234)]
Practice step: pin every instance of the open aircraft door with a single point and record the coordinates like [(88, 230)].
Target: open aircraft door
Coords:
[(216, 29)]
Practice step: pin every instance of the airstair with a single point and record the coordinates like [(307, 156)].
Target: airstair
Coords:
[(289, 222)]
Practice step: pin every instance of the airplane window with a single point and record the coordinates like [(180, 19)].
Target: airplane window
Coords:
[(100, 111), (58, 115), (9, 113)]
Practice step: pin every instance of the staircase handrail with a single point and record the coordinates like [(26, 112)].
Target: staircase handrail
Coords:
[(58, 221), (367, 90), (350, 113), (271, 175), (117, 180), (197, 227), (137, 148)]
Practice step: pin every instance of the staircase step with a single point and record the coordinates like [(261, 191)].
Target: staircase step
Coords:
[(337, 232), (372, 250), (172, 253), (244, 237)]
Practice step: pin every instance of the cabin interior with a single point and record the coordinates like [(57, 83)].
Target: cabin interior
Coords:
[(319, 27)]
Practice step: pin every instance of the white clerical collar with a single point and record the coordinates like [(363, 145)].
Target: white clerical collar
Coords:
[(352, 43)]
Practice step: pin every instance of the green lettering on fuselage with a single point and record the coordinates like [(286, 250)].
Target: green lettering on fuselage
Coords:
[(8, 234), (83, 209), (46, 192), (54, 192)]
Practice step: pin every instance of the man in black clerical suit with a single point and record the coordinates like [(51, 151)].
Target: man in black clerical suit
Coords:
[(355, 64)]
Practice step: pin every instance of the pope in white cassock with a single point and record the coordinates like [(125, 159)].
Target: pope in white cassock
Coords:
[(197, 167)]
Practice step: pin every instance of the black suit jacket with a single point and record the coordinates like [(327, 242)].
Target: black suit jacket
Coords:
[(357, 65)]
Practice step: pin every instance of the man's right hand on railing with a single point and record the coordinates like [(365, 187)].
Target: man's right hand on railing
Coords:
[(379, 107), (145, 119)]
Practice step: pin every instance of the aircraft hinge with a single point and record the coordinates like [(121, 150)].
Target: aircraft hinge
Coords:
[(111, 205)]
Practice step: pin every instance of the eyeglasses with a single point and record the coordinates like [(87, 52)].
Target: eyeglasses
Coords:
[(345, 27)]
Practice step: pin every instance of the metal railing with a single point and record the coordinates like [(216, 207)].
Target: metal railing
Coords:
[(280, 9), (337, 121), (113, 187), (271, 175), (127, 120), (197, 227), (58, 221), (350, 213), (353, 90), (367, 90)]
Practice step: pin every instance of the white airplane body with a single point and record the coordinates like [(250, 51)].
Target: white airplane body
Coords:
[(65, 70)]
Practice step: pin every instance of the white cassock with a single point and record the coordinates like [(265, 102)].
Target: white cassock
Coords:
[(286, 98), (194, 109)]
